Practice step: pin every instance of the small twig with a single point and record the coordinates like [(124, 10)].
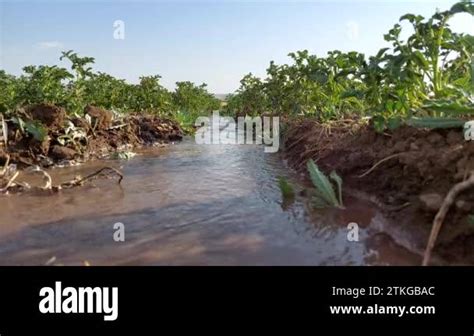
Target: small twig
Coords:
[(378, 164), (48, 180), (10, 182), (5, 167), (117, 126), (4, 131), (395, 208), (50, 261), (443, 210), (77, 182)]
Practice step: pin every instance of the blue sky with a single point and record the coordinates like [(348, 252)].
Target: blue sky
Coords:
[(207, 41)]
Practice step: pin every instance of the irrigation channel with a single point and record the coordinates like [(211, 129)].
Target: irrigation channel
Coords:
[(190, 204)]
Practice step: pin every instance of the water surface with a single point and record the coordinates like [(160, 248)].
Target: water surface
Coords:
[(188, 204)]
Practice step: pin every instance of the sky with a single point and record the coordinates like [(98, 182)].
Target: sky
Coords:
[(213, 42)]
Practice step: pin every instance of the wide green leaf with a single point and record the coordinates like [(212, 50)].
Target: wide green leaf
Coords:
[(451, 108), (462, 7), (322, 184), (434, 123), (37, 130)]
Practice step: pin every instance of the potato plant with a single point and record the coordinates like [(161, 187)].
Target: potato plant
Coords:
[(428, 75), (80, 86)]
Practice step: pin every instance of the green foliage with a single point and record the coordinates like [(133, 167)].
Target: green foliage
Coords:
[(33, 127), (150, 96), (192, 98), (42, 84), (250, 98), (450, 107), (286, 189), (325, 87), (428, 74), (430, 122), (37, 130), (77, 93), (80, 86), (9, 97), (325, 191), (186, 120)]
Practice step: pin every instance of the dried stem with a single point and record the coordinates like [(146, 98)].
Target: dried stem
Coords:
[(378, 164), (443, 210), (78, 182)]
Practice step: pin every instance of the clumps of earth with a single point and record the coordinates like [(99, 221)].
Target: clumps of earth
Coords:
[(54, 137), (406, 172)]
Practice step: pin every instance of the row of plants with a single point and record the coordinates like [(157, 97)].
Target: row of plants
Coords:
[(80, 86), (426, 79)]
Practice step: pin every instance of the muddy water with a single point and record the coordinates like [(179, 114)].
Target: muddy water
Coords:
[(188, 204)]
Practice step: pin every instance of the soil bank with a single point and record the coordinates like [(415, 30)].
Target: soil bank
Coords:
[(414, 170), (71, 138)]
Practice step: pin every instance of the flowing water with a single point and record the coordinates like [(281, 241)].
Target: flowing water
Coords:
[(189, 204)]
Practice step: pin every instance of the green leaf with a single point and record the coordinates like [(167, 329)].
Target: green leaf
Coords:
[(20, 123), (450, 108), (286, 189), (420, 59), (322, 184), (319, 203), (433, 123), (381, 52), (379, 124), (352, 93), (462, 7), (409, 17), (394, 123), (472, 72), (37, 130), (336, 178)]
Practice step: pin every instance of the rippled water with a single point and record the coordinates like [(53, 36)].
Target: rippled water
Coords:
[(188, 204)]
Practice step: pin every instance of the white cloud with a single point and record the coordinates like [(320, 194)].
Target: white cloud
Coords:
[(352, 30), (50, 45)]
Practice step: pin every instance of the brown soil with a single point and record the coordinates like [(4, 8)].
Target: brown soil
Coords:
[(420, 167), (104, 135), (49, 115), (101, 119)]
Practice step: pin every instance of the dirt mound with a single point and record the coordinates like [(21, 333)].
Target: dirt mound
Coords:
[(62, 153), (81, 123), (408, 171), (82, 139), (150, 128), (49, 115), (100, 119)]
